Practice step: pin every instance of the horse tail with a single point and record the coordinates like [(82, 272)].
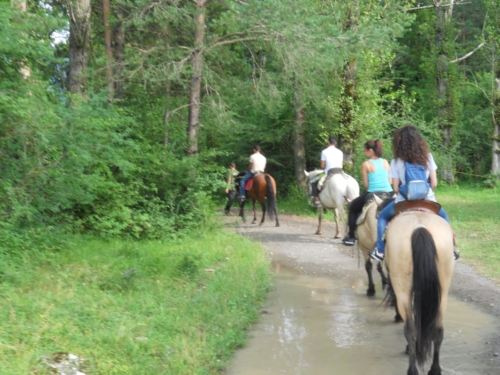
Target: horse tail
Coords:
[(271, 198), (426, 290)]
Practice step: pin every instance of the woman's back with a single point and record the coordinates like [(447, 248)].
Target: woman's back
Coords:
[(378, 177)]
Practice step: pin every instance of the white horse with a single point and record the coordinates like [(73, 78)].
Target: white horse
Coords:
[(333, 196)]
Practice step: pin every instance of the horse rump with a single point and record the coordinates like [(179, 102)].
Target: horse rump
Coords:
[(426, 290)]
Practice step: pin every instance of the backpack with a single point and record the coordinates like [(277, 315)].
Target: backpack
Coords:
[(416, 186)]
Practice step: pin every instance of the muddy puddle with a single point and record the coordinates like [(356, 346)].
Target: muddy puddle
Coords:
[(323, 325)]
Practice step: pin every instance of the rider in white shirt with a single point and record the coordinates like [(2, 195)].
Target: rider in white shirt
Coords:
[(332, 161), (257, 163)]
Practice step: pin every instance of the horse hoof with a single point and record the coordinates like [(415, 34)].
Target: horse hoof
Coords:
[(277, 225), (398, 319), (370, 292), (318, 232)]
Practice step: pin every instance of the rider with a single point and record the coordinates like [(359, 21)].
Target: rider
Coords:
[(408, 146), (375, 173), (257, 163), (332, 161), (231, 186)]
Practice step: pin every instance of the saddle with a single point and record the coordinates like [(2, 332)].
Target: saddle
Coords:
[(417, 205), (369, 201), (249, 183)]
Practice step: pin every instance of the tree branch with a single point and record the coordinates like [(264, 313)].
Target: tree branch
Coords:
[(468, 54), (242, 33), (233, 41), (434, 6)]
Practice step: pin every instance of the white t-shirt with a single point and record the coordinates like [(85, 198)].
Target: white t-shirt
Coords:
[(333, 158), (398, 168), (258, 162)]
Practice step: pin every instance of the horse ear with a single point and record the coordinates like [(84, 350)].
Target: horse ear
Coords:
[(377, 199), (306, 173)]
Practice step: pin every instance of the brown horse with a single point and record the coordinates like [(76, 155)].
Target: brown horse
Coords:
[(419, 259), (263, 187)]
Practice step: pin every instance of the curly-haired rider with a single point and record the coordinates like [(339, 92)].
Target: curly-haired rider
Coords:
[(408, 146)]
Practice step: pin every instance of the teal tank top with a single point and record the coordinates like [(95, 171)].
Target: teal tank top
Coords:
[(378, 180)]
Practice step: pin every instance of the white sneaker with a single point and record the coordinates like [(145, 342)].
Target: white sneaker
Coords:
[(376, 255)]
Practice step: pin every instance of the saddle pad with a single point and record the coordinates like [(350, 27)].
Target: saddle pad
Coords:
[(249, 184), (361, 218)]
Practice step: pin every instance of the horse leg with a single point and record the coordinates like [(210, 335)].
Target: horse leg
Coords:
[(410, 334), (437, 338), (276, 213), (242, 211), (370, 292), (380, 270), (320, 217), (336, 216), (263, 205), (254, 213)]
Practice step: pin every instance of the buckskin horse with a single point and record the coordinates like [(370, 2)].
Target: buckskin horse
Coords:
[(263, 187), (419, 259), (366, 233), (333, 195)]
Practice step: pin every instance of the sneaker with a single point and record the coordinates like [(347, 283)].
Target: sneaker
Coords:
[(349, 241), (456, 254), (242, 198), (317, 203), (376, 255)]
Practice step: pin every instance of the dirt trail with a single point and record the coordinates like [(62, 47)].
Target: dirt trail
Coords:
[(295, 245)]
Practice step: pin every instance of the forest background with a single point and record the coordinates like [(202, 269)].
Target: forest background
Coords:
[(120, 118)]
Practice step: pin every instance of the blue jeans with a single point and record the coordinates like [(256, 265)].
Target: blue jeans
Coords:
[(243, 182), (386, 215)]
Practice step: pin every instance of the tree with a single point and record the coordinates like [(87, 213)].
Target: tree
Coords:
[(79, 43)]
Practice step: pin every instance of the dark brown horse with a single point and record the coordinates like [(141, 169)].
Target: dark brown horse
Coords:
[(263, 187)]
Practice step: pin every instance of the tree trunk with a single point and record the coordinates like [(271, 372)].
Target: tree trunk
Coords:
[(119, 52), (347, 112), (299, 145), (79, 42), (495, 157), (19, 4), (348, 98), (106, 12), (445, 102), (196, 67)]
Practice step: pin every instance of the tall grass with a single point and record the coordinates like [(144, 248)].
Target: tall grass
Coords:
[(178, 307)]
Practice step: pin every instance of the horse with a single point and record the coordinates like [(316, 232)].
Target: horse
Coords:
[(338, 187), (419, 260), (366, 233), (263, 187)]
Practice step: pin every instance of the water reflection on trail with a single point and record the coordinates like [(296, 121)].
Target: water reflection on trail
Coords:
[(321, 325)]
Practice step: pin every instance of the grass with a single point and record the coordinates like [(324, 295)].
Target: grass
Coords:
[(475, 215), (177, 307)]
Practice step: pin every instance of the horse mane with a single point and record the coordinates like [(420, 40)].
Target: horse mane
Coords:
[(314, 173), (384, 203)]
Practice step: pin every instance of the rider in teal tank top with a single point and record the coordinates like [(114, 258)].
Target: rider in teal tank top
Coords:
[(378, 180), (375, 173)]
